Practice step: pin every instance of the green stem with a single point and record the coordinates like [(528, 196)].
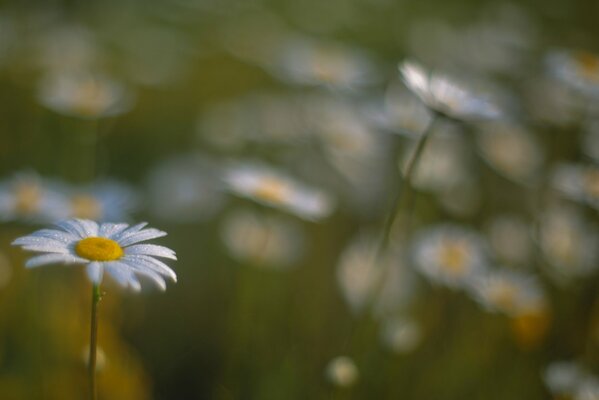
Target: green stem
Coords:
[(405, 186), (96, 296)]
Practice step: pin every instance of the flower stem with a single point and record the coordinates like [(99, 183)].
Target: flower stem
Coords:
[(406, 185), (96, 296)]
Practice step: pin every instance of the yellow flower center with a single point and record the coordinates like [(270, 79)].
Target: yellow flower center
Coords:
[(99, 249), (589, 64), (27, 198), (85, 206), (273, 190), (91, 98), (454, 255)]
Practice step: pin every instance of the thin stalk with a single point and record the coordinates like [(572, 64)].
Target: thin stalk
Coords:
[(405, 186), (96, 296)]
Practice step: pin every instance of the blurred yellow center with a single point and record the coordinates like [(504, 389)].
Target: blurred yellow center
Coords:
[(272, 190), (90, 98), (453, 257), (99, 249), (589, 64), (27, 198), (84, 206)]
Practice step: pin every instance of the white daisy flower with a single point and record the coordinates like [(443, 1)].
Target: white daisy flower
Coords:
[(569, 242), (509, 292), (102, 201), (511, 150), (318, 63), (577, 69), (450, 255), (562, 378), (84, 95), (109, 247), (578, 182), (270, 187), (446, 96), (263, 240), (342, 371), (27, 197)]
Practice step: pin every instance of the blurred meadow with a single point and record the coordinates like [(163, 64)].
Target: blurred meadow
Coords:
[(369, 199)]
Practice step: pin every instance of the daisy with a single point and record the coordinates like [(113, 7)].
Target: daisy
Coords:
[(577, 69), (509, 292), (450, 255), (26, 196), (102, 201), (84, 95), (578, 182), (272, 188), (342, 371), (109, 247), (511, 150), (446, 96)]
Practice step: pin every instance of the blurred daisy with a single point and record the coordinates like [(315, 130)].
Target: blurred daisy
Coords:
[(577, 69), (578, 182), (446, 96), (445, 162), (511, 151), (342, 371), (569, 242), (106, 247), (318, 63), (102, 201), (401, 335), (450, 255), (570, 380), (262, 240), (359, 274), (562, 377), (510, 239), (401, 112), (508, 292), (28, 197), (270, 187), (84, 95), (185, 189)]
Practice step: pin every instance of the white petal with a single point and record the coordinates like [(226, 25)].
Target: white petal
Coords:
[(122, 234), (154, 277), (150, 263), (78, 227), (47, 248), (53, 259), (108, 229), (95, 272), (141, 236), (55, 234), (123, 274), (151, 250)]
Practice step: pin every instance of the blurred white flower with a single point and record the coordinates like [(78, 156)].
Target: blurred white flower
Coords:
[(562, 378), (401, 335), (588, 389), (569, 242), (114, 248), (450, 255), (84, 95), (359, 275), (262, 240), (318, 63), (577, 69), (105, 200), (446, 96), (185, 189), (509, 292), (578, 182), (270, 187), (445, 162), (510, 239), (511, 151), (342, 371), (27, 197)]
